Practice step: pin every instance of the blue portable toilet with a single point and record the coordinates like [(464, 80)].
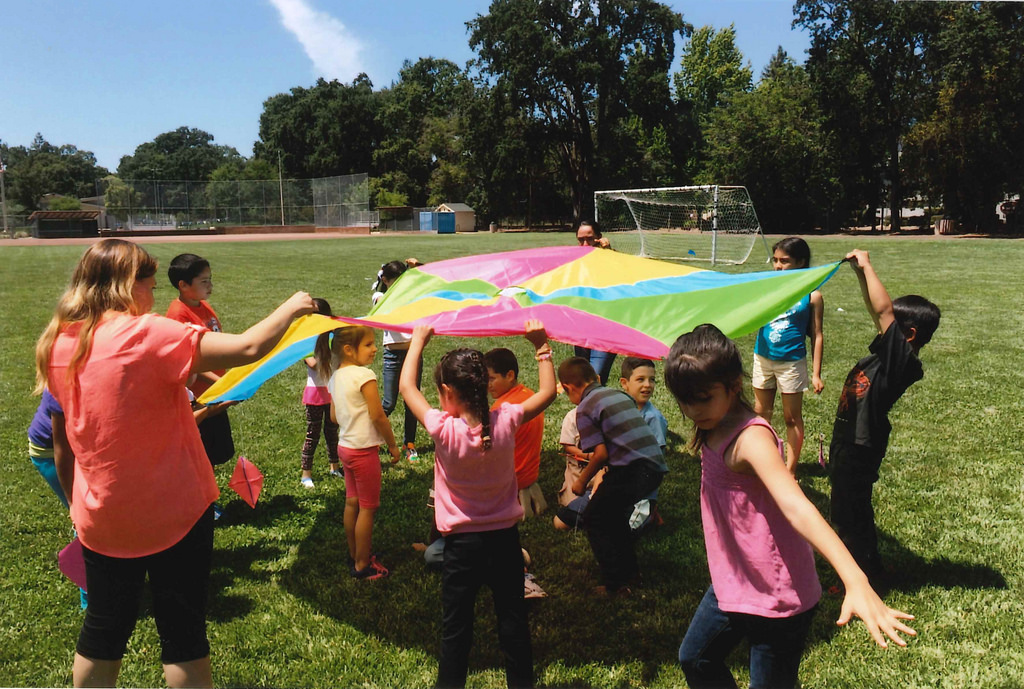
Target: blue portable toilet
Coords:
[(465, 216), (445, 223), (427, 221)]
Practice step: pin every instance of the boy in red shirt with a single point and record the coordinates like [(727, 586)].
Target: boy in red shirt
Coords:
[(504, 386), (191, 276)]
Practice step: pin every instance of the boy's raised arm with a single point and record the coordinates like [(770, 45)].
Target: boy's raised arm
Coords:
[(876, 298)]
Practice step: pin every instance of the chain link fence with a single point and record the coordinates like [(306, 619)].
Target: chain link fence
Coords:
[(342, 201), (18, 225)]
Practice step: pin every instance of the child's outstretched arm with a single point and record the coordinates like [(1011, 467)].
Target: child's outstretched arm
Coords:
[(545, 394), (755, 448), (876, 298), (407, 388), (224, 350), (817, 335)]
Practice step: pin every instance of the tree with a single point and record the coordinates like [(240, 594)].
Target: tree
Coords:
[(866, 62), (711, 71), (968, 151), (120, 199), (183, 154), (64, 203), (515, 173), (772, 141), (421, 154), (43, 168), (569, 65), (322, 131)]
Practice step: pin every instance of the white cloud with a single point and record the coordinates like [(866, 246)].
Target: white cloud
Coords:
[(334, 50)]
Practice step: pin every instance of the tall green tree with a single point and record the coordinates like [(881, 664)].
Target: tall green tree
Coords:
[(866, 62), (121, 200), (183, 154), (969, 150), (325, 130), (569, 66), (711, 71), (421, 154), (515, 172), (772, 141), (43, 168)]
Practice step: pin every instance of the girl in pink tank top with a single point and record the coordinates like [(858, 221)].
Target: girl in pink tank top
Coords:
[(758, 530)]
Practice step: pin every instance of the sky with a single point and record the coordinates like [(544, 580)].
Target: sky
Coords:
[(109, 75)]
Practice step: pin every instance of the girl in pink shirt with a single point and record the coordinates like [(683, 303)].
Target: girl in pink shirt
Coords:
[(317, 398), (758, 529), (140, 485), (476, 499)]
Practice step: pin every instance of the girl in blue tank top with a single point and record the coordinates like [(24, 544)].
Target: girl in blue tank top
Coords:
[(780, 353)]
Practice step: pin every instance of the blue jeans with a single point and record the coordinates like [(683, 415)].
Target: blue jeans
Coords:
[(390, 372), (601, 361), (776, 644)]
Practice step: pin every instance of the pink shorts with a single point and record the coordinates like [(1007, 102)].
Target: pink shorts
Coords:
[(362, 475)]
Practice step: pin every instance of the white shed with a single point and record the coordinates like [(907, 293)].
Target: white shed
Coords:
[(465, 216)]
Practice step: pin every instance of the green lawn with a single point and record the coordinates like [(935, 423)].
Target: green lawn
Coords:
[(285, 613)]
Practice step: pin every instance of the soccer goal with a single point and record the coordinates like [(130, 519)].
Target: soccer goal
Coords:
[(702, 223)]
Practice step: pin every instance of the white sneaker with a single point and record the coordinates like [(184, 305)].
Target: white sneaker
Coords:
[(306, 482)]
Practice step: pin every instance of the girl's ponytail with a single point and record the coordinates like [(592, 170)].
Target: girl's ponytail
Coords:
[(483, 412), (464, 371), (322, 350)]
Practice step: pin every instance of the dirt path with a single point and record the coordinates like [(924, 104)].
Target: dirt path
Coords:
[(188, 239)]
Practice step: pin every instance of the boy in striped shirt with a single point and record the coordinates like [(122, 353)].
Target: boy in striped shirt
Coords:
[(613, 433)]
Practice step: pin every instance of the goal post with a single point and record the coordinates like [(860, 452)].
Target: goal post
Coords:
[(695, 223)]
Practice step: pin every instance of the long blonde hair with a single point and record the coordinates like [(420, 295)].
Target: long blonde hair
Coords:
[(102, 281)]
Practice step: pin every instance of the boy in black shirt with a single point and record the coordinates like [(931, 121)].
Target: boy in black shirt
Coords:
[(861, 432)]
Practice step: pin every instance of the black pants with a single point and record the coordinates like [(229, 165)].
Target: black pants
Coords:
[(179, 579), (319, 416), (215, 432), (853, 471), (606, 519), (472, 560)]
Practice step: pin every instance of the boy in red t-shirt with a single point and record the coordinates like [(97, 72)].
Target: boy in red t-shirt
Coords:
[(504, 386), (192, 277)]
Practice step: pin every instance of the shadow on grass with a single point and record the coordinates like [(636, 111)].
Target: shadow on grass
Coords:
[(233, 564), (569, 628), (906, 570)]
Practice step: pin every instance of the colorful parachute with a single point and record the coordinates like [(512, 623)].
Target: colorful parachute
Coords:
[(584, 296)]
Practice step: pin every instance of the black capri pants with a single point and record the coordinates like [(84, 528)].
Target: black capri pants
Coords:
[(179, 580)]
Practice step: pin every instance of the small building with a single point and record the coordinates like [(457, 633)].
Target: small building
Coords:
[(465, 216), (52, 224)]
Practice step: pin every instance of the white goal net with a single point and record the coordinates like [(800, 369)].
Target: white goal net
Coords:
[(701, 223)]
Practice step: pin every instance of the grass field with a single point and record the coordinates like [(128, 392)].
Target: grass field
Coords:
[(285, 613)]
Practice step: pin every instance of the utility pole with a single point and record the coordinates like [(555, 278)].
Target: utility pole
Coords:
[(3, 198), (280, 185)]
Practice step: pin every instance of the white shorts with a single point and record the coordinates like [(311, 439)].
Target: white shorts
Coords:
[(787, 376)]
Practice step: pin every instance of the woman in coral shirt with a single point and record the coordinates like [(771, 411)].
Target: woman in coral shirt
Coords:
[(140, 485)]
